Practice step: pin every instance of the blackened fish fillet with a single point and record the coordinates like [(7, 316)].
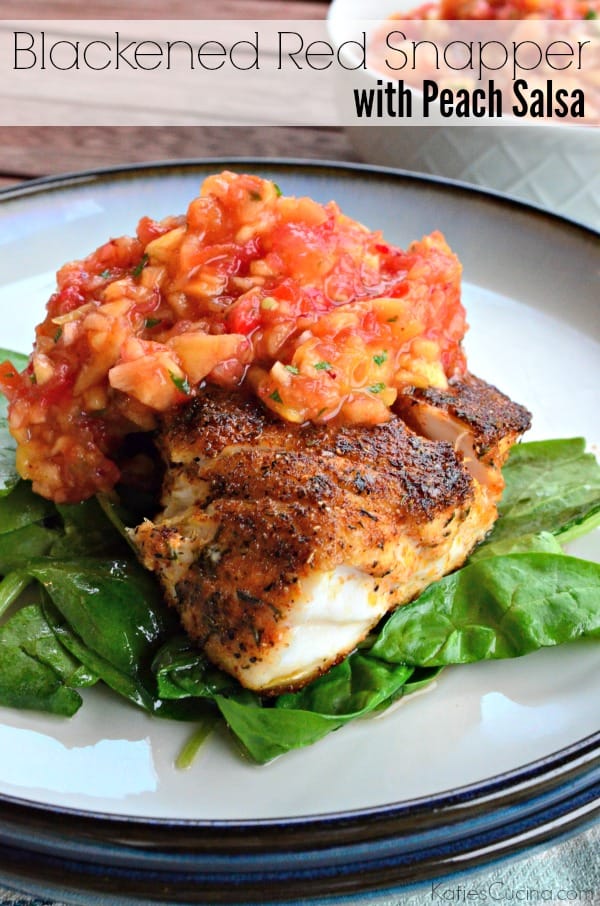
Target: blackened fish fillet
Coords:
[(282, 545)]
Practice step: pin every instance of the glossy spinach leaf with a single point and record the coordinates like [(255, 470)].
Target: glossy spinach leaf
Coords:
[(37, 672), (12, 587), (31, 527), (551, 485), (22, 507), (269, 728), (113, 606), (354, 687), (19, 547), (126, 684), (182, 671), (87, 531), (498, 607), (538, 542), (137, 685), (266, 733), (9, 476), (420, 678), (109, 614)]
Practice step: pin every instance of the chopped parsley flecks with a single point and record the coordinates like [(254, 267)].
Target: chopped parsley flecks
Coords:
[(181, 383), (137, 270), (376, 388), (275, 396), (381, 357)]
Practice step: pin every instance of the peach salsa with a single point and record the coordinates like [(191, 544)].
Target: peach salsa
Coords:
[(504, 9), (321, 318)]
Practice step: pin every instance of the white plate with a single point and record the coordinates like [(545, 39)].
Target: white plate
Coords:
[(535, 332)]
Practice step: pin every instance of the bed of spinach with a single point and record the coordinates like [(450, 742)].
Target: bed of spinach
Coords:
[(77, 608)]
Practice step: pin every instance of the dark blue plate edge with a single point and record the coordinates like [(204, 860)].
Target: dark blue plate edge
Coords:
[(302, 882)]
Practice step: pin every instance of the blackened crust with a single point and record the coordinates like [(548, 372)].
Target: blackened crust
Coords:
[(490, 415)]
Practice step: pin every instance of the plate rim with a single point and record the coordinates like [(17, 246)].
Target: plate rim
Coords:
[(504, 786), (552, 771)]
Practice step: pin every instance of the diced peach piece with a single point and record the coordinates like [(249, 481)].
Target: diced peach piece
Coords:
[(208, 284), (43, 368), (153, 277), (161, 249), (200, 352), (154, 379), (365, 409), (302, 209), (74, 315), (105, 344)]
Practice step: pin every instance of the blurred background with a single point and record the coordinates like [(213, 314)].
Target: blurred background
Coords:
[(548, 164)]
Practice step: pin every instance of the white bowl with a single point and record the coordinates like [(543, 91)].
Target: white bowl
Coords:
[(556, 167)]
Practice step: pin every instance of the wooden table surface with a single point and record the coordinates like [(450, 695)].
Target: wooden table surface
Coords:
[(29, 152)]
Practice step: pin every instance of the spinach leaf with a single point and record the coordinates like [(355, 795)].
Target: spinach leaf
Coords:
[(31, 526), (551, 485), (17, 548), (268, 732), (137, 685), (123, 682), (9, 476), (11, 588), (540, 542), (113, 606), (37, 673), (421, 677), (354, 687), (8, 472), (182, 671), (21, 507), (497, 607), (109, 614), (87, 531)]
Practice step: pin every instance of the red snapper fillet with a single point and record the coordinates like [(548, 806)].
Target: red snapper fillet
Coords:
[(281, 546)]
